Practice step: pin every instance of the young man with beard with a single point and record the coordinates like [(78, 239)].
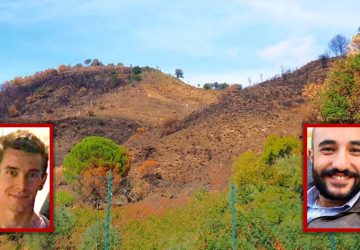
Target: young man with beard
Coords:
[(334, 201), (23, 164)]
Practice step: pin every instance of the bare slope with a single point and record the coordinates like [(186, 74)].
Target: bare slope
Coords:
[(200, 152), (190, 136), (104, 100)]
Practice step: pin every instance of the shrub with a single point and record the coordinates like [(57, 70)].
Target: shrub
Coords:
[(276, 147), (13, 111), (64, 198), (147, 167), (136, 71), (94, 237), (340, 99), (64, 224), (115, 80), (246, 169)]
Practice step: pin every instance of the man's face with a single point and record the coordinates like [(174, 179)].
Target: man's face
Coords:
[(20, 178), (336, 162)]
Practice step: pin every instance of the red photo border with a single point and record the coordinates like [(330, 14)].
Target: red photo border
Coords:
[(51, 180), (305, 184)]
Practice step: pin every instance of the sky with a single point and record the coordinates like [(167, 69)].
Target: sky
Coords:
[(232, 41)]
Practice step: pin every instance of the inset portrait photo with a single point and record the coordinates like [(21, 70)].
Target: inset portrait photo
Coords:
[(331, 178), (26, 178)]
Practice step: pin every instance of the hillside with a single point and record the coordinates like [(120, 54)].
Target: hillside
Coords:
[(200, 152), (103, 100), (191, 135)]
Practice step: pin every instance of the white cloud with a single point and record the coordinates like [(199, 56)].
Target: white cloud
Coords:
[(290, 52)]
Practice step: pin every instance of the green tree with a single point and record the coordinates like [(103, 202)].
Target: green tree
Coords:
[(96, 62), (223, 85), (338, 45), (87, 61), (95, 151), (207, 86), (179, 73)]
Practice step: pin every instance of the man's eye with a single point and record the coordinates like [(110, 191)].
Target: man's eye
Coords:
[(34, 175), (12, 173), (327, 150), (355, 150)]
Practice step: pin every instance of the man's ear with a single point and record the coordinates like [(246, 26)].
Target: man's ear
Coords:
[(43, 180), (311, 155)]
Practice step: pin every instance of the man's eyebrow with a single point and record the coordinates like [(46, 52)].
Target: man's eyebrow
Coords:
[(11, 168), (18, 169), (34, 170), (327, 142), (355, 143)]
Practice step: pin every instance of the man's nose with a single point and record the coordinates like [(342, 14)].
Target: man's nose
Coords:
[(22, 182), (342, 160)]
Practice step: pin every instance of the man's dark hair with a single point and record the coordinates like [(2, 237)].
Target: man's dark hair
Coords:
[(25, 141)]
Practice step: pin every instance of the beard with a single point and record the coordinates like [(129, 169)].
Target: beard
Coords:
[(320, 184)]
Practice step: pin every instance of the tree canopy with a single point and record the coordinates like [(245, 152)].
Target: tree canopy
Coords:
[(179, 73), (338, 45), (96, 151)]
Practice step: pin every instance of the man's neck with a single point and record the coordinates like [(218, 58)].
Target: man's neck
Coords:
[(10, 219), (325, 202)]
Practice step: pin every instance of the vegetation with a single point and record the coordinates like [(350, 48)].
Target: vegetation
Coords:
[(94, 237), (179, 73), (64, 224), (216, 86), (96, 151), (94, 184), (340, 100), (136, 73), (64, 198), (268, 214), (324, 58), (338, 44), (279, 147), (89, 162)]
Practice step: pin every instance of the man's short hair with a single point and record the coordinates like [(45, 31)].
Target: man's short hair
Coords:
[(25, 141)]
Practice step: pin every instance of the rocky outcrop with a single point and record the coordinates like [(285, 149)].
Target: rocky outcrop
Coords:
[(354, 46)]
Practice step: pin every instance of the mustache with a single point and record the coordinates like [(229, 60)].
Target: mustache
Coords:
[(331, 172)]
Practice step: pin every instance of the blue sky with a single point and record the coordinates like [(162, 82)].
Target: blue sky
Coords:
[(225, 41)]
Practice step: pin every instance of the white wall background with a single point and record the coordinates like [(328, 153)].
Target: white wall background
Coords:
[(44, 135)]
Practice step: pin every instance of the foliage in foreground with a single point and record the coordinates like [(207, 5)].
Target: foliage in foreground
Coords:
[(94, 237), (340, 100), (268, 210), (64, 225), (64, 198)]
